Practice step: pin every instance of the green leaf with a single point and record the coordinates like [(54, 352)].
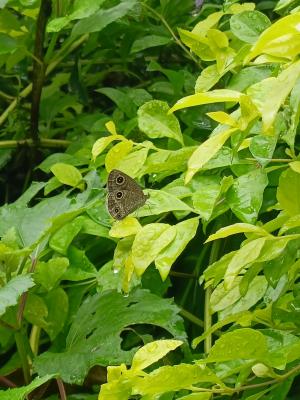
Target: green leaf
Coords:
[(149, 41), (116, 154), (206, 151), (10, 293), (44, 312), (99, 20), (94, 337), (279, 40), (205, 197), (162, 202), (248, 25), (154, 121), (214, 96), (64, 236), (22, 392), (196, 396), (269, 94), (148, 243), (81, 9), (174, 378), (67, 174), (262, 148), (152, 352), (185, 231), (122, 100), (101, 144), (126, 227), (248, 76), (237, 228), (245, 343), (245, 196), (245, 255), (168, 162), (55, 158), (48, 274), (288, 192), (255, 292), (133, 162), (56, 315), (7, 44), (208, 78)]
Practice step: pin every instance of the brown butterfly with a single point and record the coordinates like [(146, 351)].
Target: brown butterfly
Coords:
[(124, 195)]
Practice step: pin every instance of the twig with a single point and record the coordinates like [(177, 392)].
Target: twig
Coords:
[(48, 143), (38, 73), (176, 39), (61, 389), (25, 92), (7, 382)]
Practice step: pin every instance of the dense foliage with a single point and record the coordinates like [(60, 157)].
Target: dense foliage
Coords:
[(196, 295)]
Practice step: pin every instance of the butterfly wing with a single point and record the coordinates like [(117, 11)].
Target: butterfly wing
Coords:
[(124, 195)]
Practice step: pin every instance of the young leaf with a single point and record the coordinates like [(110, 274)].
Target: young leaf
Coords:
[(288, 192), (152, 352), (185, 231), (149, 242), (206, 151)]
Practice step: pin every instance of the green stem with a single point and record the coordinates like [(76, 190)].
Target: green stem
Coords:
[(66, 50), (207, 314), (191, 317), (48, 143), (176, 39), (196, 273), (19, 338)]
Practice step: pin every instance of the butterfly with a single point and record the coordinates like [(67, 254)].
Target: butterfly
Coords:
[(124, 195)]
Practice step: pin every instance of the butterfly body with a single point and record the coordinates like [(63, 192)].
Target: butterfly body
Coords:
[(124, 195)]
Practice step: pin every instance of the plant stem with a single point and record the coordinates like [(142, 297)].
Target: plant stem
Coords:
[(25, 92), (19, 338), (191, 317), (207, 314), (38, 73), (24, 296), (61, 389), (49, 143), (7, 382), (176, 39)]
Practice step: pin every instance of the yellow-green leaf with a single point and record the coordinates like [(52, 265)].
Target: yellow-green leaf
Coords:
[(281, 39), (152, 352), (101, 144), (126, 227), (245, 255), (223, 118), (115, 155), (269, 94), (214, 96), (185, 231), (149, 242), (295, 165), (237, 228), (206, 151), (66, 174)]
